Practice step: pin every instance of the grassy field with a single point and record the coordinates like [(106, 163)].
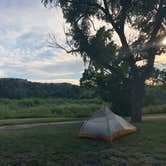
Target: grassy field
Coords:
[(35, 110), (44, 108), (153, 109), (59, 145)]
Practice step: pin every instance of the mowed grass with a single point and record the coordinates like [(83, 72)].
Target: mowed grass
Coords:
[(59, 145)]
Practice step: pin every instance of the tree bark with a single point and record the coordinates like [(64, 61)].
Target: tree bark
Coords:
[(136, 99)]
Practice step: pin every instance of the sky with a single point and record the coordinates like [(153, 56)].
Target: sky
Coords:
[(24, 50)]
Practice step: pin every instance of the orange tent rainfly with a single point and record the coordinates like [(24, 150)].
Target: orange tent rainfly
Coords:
[(105, 125)]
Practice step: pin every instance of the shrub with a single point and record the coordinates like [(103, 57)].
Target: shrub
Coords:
[(155, 109)]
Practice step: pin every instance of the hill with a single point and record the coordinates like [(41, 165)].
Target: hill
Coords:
[(21, 88)]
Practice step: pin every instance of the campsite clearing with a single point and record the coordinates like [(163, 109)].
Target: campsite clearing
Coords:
[(59, 145)]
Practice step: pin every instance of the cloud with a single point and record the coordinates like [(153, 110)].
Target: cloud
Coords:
[(160, 59), (24, 52), (72, 81), (2, 73)]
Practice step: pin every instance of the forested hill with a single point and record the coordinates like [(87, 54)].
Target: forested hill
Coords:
[(20, 88)]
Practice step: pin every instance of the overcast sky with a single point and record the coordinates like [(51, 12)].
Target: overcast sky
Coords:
[(25, 26), (24, 52)]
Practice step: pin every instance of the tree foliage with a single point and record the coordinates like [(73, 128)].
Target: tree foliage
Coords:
[(112, 89), (158, 77)]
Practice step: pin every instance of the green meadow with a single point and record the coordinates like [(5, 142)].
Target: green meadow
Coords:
[(35, 110), (44, 108)]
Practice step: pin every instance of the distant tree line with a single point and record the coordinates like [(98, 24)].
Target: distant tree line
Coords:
[(20, 88)]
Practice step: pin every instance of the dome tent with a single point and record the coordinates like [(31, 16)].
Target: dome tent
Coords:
[(105, 125)]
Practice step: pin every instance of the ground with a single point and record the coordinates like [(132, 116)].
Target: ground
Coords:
[(59, 145)]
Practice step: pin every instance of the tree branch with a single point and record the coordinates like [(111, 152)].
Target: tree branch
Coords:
[(158, 20), (152, 52), (109, 16), (53, 43), (123, 13)]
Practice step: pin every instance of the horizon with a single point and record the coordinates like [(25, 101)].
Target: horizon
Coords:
[(60, 81)]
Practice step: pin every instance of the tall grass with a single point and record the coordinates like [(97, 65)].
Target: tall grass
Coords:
[(152, 109), (58, 108), (33, 108)]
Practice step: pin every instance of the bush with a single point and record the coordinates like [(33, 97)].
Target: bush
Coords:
[(36, 108), (155, 95), (155, 109)]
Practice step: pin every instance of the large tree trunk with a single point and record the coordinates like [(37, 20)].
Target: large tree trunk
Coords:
[(136, 99)]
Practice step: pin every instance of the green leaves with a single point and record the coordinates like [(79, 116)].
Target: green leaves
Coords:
[(102, 47)]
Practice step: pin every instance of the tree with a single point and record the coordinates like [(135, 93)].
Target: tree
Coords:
[(158, 77), (147, 18), (112, 89), (162, 76)]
